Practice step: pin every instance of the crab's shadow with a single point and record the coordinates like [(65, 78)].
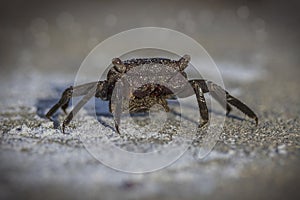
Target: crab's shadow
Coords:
[(215, 112)]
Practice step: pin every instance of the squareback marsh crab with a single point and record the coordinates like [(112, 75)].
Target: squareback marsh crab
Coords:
[(165, 79)]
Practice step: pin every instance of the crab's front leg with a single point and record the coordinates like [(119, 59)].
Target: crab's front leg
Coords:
[(219, 94), (98, 90), (199, 91), (223, 97), (116, 106), (223, 94), (78, 106), (67, 95), (115, 103), (63, 102), (89, 90)]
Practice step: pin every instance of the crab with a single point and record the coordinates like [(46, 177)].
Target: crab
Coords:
[(159, 79)]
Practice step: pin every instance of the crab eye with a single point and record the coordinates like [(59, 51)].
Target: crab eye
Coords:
[(118, 65), (116, 61)]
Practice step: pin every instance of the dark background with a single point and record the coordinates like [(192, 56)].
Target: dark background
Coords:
[(57, 35)]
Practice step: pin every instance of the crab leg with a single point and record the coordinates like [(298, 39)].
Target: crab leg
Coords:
[(221, 99), (97, 89), (201, 101), (231, 100), (67, 95), (65, 98), (78, 106), (116, 107)]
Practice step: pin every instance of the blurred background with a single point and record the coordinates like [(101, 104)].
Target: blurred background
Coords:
[(55, 36)]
